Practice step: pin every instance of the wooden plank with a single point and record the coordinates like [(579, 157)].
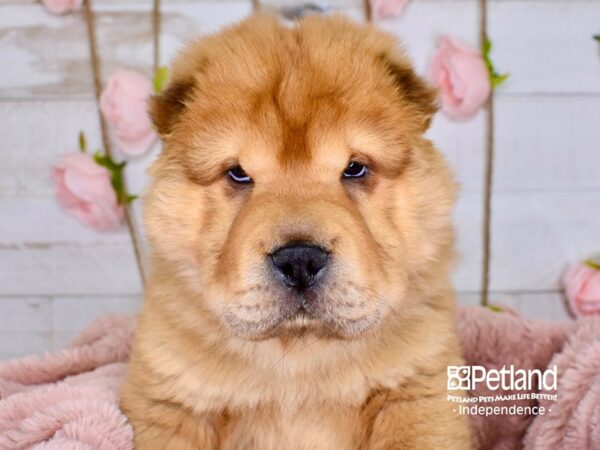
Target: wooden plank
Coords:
[(536, 235), (15, 344), (525, 37), (463, 144), (25, 314), (547, 143), (546, 46), (468, 222), (43, 251), (26, 326), (546, 189), (71, 315), (423, 21), (39, 324), (33, 135), (49, 54), (25, 168)]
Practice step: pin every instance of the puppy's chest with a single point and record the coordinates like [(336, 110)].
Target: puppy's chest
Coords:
[(316, 427)]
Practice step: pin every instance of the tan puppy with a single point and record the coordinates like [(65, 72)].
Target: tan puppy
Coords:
[(301, 243)]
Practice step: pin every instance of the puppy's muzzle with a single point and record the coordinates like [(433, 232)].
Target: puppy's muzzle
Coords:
[(299, 265)]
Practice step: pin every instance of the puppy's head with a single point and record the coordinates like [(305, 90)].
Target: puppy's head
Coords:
[(296, 190)]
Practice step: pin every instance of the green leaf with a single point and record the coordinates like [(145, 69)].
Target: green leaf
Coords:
[(597, 37), (160, 78), (131, 198), (82, 142), (593, 264), (496, 79), (116, 177), (494, 308)]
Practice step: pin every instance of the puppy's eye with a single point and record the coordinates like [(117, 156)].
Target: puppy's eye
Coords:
[(239, 175), (355, 170)]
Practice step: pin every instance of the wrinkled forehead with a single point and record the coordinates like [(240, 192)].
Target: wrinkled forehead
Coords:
[(290, 127)]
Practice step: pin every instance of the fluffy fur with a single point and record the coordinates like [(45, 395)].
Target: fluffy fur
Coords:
[(222, 357)]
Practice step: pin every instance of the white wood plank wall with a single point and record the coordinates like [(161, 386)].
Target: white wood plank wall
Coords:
[(56, 275)]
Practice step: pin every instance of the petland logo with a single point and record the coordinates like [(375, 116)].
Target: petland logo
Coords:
[(467, 378), (522, 390)]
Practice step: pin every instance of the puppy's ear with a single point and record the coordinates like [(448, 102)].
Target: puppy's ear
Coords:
[(414, 89), (166, 107)]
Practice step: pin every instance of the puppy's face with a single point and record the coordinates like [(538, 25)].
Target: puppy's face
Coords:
[(296, 192)]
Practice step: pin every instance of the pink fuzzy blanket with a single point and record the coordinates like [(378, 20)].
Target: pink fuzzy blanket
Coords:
[(68, 400)]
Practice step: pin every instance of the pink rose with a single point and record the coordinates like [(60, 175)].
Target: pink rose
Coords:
[(462, 77), (84, 190), (62, 6), (124, 104), (388, 8), (582, 286)]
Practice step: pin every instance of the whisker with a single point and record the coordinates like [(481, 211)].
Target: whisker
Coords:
[(285, 352)]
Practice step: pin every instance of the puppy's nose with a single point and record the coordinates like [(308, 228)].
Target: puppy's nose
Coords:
[(299, 264)]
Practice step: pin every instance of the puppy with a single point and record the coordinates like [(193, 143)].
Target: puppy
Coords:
[(299, 222)]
